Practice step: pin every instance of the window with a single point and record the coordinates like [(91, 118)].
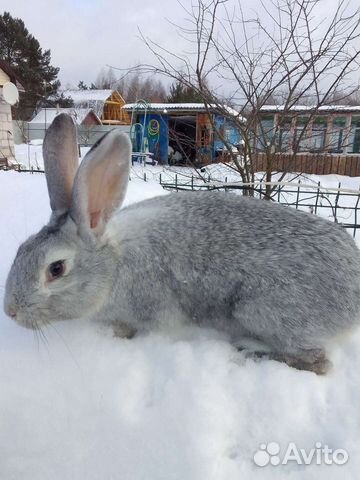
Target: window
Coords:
[(284, 139), (336, 135), (284, 134), (301, 141), (318, 134), (265, 132), (354, 141), (356, 146)]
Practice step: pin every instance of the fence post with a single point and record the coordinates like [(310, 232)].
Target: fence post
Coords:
[(336, 202), (28, 142), (298, 194), (315, 201), (356, 210), (317, 197)]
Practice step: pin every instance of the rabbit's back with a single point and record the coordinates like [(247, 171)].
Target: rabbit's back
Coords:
[(246, 263)]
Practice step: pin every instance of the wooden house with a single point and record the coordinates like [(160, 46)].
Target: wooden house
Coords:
[(318, 141), (332, 129), (106, 104)]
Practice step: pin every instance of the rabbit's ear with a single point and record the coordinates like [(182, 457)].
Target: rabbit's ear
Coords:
[(101, 182), (60, 161)]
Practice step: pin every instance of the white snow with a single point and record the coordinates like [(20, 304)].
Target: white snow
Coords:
[(179, 405), (304, 108), (91, 95), (47, 115), (163, 107)]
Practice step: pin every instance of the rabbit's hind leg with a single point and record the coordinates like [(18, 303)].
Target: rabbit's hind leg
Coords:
[(312, 360)]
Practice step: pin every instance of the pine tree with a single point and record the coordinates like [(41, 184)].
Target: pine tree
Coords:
[(23, 53), (82, 85), (180, 93), (58, 100)]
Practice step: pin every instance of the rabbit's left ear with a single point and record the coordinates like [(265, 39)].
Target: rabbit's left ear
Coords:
[(61, 161), (100, 183)]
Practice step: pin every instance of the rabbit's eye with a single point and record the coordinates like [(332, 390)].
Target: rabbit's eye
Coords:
[(56, 270)]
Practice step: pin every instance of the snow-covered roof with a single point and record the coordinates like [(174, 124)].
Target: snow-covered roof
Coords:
[(88, 95), (185, 107), (306, 108), (47, 115), (94, 99)]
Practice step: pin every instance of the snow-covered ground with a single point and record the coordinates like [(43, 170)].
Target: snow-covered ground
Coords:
[(184, 405)]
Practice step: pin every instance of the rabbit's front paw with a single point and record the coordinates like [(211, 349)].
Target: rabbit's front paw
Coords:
[(122, 330)]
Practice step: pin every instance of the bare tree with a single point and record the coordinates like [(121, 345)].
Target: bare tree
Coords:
[(136, 87), (132, 86), (289, 52), (106, 79)]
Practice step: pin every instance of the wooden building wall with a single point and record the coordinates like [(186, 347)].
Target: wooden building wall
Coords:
[(204, 138), (113, 114)]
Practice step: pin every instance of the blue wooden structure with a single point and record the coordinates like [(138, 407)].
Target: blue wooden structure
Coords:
[(185, 127)]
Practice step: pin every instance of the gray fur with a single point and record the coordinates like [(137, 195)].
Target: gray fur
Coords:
[(60, 161), (108, 165), (243, 266)]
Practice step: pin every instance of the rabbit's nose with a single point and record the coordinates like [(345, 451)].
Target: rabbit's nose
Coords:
[(10, 311)]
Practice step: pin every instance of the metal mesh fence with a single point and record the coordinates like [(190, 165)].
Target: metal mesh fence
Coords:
[(340, 205)]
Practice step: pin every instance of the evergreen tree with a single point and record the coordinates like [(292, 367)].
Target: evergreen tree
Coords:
[(23, 53), (58, 100), (180, 93), (82, 85)]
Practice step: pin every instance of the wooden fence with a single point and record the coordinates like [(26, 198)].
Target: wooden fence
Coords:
[(318, 164)]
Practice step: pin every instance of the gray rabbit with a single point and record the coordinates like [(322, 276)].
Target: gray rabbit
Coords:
[(246, 267)]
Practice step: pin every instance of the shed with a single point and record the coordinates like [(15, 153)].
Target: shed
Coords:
[(107, 104), (183, 128)]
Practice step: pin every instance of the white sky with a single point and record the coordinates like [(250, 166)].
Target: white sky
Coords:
[(86, 35)]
